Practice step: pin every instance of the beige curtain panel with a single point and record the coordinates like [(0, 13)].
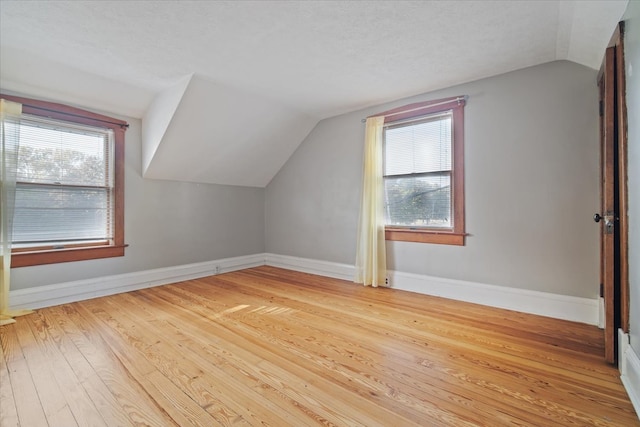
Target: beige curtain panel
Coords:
[(10, 113), (371, 257)]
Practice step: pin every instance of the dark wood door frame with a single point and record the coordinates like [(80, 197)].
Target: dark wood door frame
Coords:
[(622, 176), (614, 264), (609, 259)]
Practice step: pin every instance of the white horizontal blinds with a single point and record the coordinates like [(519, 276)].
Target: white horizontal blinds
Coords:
[(418, 159), (55, 152), (418, 146), (64, 183)]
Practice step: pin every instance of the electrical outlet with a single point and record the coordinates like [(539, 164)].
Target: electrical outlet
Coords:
[(387, 280), (217, 269)]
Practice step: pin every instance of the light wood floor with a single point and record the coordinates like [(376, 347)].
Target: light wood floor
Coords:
[(267, 346)]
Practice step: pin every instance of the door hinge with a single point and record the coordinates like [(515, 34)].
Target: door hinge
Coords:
[(601, 108), (601, 290)]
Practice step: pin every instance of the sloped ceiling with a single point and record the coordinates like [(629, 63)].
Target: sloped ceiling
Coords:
[(228, 90)]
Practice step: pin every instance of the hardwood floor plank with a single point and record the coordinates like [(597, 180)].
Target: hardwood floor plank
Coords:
[(300, 385), (83, 409), (381, 388), (27, 401), (266, 346), (610, 375), (508, 346), (131, 397), (373, 392), (47, 324), (397, 312), (44, 371), (163, 360), (225, 372), (144, 404), (8, 411), (265, 398)]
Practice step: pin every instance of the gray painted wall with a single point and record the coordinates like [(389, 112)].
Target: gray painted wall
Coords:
[(167, 223), (531, 153), (632, 58)]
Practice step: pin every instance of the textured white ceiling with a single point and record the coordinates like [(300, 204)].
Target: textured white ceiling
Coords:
[(303, 61)]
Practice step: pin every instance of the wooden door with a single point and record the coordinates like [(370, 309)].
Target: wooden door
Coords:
[(607, 217), (614, 228)]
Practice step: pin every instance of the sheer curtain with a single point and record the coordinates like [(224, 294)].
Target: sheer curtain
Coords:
[(10, 113), (371, 257)]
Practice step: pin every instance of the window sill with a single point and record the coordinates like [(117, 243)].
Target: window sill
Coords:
[(425, 236), (54, 256)]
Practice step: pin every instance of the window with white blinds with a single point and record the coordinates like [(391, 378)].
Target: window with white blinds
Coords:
[(69, 200), (418, 171), (65, 184)]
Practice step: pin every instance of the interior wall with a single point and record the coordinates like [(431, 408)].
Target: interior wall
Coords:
[(531, 166), (632, 59), (167, 223)]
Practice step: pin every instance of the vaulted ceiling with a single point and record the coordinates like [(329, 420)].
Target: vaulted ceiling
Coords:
[(228, 90)]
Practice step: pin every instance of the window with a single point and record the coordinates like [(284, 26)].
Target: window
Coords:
[(69, 186), (423, 172)]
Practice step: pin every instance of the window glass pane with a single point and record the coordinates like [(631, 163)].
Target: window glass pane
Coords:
[(65, 183), (419, 147), (61, 214), (59, 153), (419, 201)]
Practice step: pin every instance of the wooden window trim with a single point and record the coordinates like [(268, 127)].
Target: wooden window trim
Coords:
[(24, 257), (424, 236), (27, 259), (456, 235)]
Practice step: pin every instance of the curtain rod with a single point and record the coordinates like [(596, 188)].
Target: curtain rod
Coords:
[(458, 99), (122, 125)]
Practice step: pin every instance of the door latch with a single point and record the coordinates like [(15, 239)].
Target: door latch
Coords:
[(609, 221)]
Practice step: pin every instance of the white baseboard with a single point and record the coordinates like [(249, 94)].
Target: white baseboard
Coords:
[(629, 364), (576, 309), (306, 265), (62, 293), (583, 310), (546, 304), (601, 313)]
